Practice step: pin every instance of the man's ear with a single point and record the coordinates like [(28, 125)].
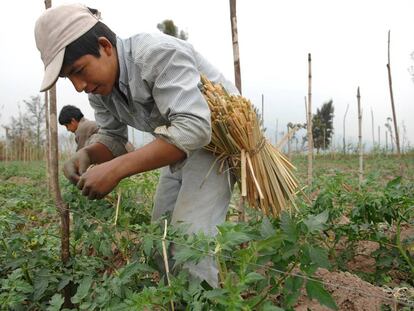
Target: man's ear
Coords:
[(74, 122), (106, 45)]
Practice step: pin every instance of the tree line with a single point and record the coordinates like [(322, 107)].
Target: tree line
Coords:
[(25, 133)]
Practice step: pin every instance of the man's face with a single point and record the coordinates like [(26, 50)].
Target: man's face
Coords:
[(91, 74), (72, 126)]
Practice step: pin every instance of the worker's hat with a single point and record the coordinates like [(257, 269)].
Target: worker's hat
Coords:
[(55, 29)]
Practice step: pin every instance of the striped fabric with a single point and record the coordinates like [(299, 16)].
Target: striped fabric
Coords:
[(159, 80)]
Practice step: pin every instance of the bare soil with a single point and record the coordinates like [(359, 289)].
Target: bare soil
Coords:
[(348, 291), (352, 293)]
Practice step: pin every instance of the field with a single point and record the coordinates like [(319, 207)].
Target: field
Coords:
[(348, 247)]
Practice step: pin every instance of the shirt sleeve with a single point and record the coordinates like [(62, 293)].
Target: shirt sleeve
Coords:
[(80, 140), (172, 73), (85, 130), (112, 133)]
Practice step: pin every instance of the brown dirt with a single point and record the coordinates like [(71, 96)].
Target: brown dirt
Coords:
[(407, 232), (363, 261), (348, 291)]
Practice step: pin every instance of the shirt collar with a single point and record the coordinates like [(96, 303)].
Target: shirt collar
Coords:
[(123, 76)]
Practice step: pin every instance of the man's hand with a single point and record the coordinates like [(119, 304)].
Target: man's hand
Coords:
[(76, 166), (101, 179), (98, 181)]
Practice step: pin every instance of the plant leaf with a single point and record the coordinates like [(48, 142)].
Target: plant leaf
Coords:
[(288, 227), (83, 289), (55, 302), (316, 291), (319, 256), (253, 277), (316, 222)]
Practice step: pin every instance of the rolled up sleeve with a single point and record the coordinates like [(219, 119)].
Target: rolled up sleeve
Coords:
[(174, 78), (112, 133)]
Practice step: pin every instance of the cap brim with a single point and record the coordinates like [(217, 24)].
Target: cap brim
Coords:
[(52, 71)]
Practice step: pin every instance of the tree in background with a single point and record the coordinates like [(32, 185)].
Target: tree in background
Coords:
[(26, 134), (169, 28), (322, 126), (18, 135), (35, 119)]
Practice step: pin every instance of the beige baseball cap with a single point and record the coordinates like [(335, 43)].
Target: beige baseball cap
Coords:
[(55, 29)]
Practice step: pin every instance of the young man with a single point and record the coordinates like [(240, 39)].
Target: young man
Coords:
[(74, 121), (150, 82)]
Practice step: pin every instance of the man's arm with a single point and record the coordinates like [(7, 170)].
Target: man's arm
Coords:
[(103, 178), (98, 153)]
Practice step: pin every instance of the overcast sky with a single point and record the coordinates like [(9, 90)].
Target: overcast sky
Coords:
[(347, 40)]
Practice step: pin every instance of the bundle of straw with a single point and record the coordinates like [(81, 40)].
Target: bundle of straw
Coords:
[(263, 173)]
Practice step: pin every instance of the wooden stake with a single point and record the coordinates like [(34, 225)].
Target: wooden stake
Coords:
[(60, 206), (309, 123), (394, 117), (117, 206), (361, 172), (47, 148), (164, 252), (235, 40)]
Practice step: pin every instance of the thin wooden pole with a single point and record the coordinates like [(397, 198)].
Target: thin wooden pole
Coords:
[(306, 118), (310, 138), (237, 74), (118, 204), (344, 139), (62, 209), (361, 171), (60, 206), (397, 139), (165, 256), (47, 147), (235, 40)]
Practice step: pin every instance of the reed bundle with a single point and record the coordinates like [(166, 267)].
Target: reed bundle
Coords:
[(264, 174)]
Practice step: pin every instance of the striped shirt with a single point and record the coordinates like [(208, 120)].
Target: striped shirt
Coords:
[(160, 83)]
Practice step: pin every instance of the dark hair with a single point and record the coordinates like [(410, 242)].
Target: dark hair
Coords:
[(68, 113), (88, 43)]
